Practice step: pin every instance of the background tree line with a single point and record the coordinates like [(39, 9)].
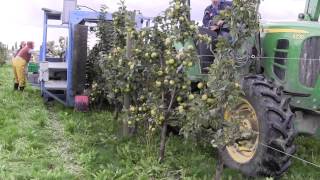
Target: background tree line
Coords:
[(4, 53)]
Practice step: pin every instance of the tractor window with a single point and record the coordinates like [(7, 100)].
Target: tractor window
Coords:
[(279, 72), (283, 44), (280, 58), (310, 62)]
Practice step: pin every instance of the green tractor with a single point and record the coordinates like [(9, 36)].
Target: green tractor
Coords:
[(282, 96)]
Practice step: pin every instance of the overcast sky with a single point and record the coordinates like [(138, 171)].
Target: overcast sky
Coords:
[(22, 19)]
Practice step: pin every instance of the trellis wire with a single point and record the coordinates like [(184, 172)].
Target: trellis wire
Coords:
[(293, 156)]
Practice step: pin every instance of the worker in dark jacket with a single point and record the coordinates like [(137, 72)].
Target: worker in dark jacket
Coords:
[(212, 11), (19, 64)]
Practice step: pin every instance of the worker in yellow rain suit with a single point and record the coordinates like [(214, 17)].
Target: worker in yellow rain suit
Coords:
[(19, 64), (22, 45)]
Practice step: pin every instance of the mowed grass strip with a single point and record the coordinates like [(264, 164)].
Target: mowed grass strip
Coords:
[(25, 151)]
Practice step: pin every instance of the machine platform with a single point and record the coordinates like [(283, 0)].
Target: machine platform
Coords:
[(56, 85), (58, 65)]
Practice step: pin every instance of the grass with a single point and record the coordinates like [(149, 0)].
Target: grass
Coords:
[(54, 142), (24, 136)]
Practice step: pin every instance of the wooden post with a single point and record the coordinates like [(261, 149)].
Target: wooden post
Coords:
[(126, 98), (189, 13)]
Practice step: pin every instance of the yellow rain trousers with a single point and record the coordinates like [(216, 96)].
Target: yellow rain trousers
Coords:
[(19, 70)]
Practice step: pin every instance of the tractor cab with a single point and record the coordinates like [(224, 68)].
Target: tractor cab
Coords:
[(291, 57)]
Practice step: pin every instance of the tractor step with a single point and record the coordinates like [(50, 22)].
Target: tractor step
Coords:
[(56, 85)]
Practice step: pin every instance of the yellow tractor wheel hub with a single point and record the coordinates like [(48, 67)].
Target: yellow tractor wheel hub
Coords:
[(244, 150)]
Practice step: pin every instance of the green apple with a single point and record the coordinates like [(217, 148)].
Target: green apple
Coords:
[(126, 90), (171, 61), (204, 97), (172, 82), (167, 70), (143, 33), (191, 97), (160, 73), (210, 101), (177, 7), (200, 85), (132, 109), (144, 109), (161, 118), (154, 55), (153, 112), (168, 42), (178, 56), (181, 109), (170, 14), (184, 87), (190, 47), (158, 83), (193, 27), (168, 52)]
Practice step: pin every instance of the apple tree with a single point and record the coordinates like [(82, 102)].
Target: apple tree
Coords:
[(207, 121)]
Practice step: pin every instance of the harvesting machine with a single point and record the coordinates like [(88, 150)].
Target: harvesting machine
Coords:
[(63, 78)]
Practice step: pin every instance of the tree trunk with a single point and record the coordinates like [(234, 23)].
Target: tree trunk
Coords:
[(165, 124), (125, 126), (116, 112), (219, 168), (163, 141)]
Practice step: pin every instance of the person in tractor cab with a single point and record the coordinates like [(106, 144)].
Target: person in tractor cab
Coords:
[(213, 28), (19, 64), (213, 10)]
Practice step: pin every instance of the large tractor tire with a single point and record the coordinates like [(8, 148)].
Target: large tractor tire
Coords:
[(266, 111)]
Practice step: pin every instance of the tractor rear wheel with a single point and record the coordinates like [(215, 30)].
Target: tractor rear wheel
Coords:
[(265, 111)]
